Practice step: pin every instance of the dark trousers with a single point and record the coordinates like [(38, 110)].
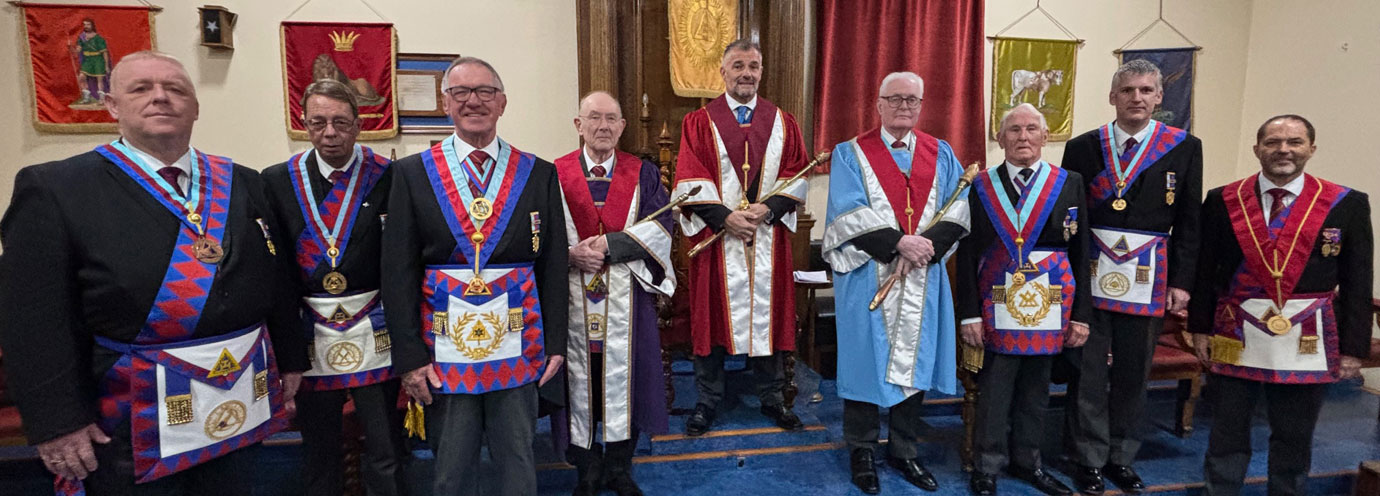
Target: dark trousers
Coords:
[(1292, 410), (1012, 396), (385, 450), (231, 474), (1109, 401), (862, 424), (613, 459), (456, 424), (767, 370)]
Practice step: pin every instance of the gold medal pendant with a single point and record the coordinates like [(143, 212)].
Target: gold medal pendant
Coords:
[(1018, 278), (1169, 198), (1279, 325), (1119, 204), (207, 251), (334, 282), (481, 208)]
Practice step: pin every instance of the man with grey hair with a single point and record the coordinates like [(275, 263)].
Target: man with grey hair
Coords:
[(140, 287), (331, 201), (738, 148), (1023, 295), (618, 267), (475, 290), (886, 187), (1144, 185)]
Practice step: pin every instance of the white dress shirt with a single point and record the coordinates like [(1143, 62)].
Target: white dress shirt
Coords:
[(607, 163), (734, 104), (908, 139), (1267, 200), (463, 149), (326, 168), (1014, 171), (184, 163), (1121, 135)]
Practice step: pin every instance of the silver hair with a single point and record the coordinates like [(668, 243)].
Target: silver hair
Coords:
[(445, 76), (581, 107), (1024, 107), (1138, 67), (150, 54), (895, 76)]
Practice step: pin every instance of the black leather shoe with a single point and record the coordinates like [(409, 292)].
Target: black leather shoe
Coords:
[(698, 423), (1088, 480), (623, 485), (982, 484), (783, 417), (914, 472), (864, 471), (1042, 481), (1124, 477), (584, 488)]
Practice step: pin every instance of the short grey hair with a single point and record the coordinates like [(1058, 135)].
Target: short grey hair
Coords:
[(743, 44), (896, 76), (445, 76), (1138, 67), (581, 106), (1023, 108), (150, 54)]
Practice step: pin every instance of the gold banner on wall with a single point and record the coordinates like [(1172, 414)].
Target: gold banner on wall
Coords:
[(1038, 72), (700, 29)]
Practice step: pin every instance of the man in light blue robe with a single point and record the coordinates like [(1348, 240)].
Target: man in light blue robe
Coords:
[(885, 188)]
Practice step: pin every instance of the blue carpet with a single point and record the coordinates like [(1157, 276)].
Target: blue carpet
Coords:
[(769, 462)]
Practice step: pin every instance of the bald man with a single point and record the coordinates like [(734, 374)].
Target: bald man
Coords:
[(617, 267), (140, 286)]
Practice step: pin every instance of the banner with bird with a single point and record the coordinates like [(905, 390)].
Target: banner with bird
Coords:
[(363, 56), (1177, 66)]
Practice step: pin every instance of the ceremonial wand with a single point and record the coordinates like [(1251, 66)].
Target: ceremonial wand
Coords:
[(822, 157), (968, 175), (674, 203)]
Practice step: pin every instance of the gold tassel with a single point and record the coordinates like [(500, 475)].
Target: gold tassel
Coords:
[(1055, 294), (972, 358), (415, 420), (1227, 350), (516, 323), (1142, 274), (382, 342), (260, 385), (1092, 269), (1308, 345), (179, 409), (438, 323)]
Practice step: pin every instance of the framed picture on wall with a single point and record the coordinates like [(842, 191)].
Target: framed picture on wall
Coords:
[(420, 105)]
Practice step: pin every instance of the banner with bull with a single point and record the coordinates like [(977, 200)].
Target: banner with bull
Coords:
[(1177, 67), (1038, 72)]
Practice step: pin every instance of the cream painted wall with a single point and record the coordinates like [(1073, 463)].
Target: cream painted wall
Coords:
[(1222, 27), (530, 42)]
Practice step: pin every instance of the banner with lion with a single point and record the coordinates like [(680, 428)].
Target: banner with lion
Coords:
[(361, 55)]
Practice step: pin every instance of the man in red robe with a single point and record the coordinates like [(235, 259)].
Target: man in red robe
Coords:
[(740, 148)]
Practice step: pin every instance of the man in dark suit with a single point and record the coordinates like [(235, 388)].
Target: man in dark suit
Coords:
[(1022, 294), (115, 255), (1281, 307), (1144, 181), (331, 202), (474, 287)]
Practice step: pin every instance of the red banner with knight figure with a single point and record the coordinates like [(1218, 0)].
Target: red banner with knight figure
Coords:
[(71, 50), (363, 56)]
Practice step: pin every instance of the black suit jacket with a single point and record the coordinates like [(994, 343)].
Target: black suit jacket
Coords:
[(86, 249), (360, 263), (1349, 273), (984, 236), (417, 235), (1146, 209)]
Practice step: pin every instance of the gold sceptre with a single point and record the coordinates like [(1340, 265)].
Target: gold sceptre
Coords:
[(820, 158), (968, 175), (673, 204)]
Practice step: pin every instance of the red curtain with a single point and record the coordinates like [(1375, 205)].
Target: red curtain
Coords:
[(861, 41)]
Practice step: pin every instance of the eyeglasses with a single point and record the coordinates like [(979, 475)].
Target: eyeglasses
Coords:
[(338, 124), (461, 94), (895, 101), (599, 119)]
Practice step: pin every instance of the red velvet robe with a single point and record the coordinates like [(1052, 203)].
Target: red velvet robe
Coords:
[(711, 155)]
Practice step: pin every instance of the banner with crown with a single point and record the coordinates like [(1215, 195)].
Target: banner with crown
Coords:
[(361, 55)]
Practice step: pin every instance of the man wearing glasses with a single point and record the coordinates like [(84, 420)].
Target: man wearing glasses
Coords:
[(738, 148), (886, 187), (474, 287), (330, 202), (618, 266)]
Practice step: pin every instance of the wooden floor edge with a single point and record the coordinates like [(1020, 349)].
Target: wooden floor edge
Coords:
[(706, 455), (733, 432)]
